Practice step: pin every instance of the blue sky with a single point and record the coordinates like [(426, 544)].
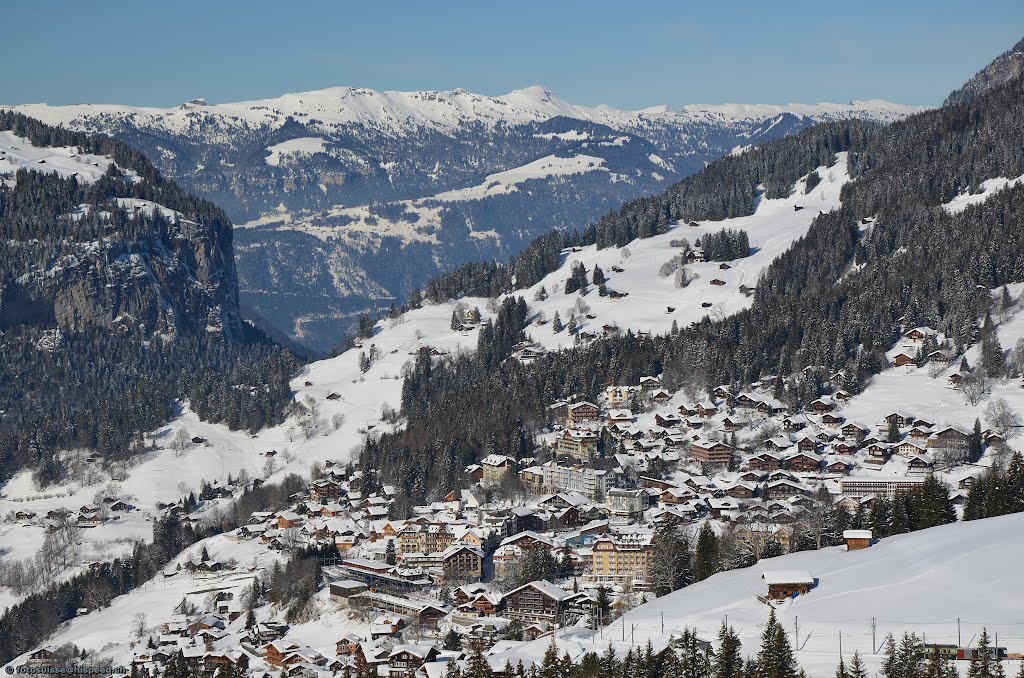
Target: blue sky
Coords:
[(631, 55)]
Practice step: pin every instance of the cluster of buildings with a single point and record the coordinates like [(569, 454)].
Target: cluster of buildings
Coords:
[(613, 472)]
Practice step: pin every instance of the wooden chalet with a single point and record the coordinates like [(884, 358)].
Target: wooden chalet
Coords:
[(661, 397), (857, 539), (784, 584), (918, 334), (853, 430), (347, 646), (723, 391), (843, 447), (536, 601), (764, 461), (771, 407), (838, 466), (823, 404), (711, 452), (747, 400), (581, 412), (667, 420), (731, 424), (903, 358), (806, 462), (706, 409), (829, 419), (407, 659)]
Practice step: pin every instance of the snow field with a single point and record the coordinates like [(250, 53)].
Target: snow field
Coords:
[(923, 582)]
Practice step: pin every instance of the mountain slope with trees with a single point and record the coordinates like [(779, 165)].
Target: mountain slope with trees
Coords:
[(119, 296), (331, 186), (891, 256)]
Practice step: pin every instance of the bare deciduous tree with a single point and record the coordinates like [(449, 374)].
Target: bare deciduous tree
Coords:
[(976, 387), (182, 441), (1003, 418), (139, 624)]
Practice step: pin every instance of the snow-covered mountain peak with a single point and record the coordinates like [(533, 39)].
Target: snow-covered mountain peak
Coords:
[(404, 113)]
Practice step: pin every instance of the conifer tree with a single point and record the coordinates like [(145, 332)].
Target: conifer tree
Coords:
[(775, 660), (993, 359), (939, 666), (983, 665), (728, 662), (705, 562), (477, 667), (609, 662), (692, 660), (857, 669), (452, 641)]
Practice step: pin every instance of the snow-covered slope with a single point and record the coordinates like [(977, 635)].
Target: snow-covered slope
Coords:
[(17, 153), (773, 227), (988, 188), (941, 582), (507, 181), (926, 391)]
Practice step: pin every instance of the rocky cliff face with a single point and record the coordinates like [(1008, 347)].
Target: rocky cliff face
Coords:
[(1004, 68), (148, 286), (119, 249)]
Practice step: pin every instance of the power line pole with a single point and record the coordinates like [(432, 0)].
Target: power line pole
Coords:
[(796, 633), (959, 641), (874, 643)]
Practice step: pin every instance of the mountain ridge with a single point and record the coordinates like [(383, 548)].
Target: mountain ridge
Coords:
[(535, 103), (1000, 70)]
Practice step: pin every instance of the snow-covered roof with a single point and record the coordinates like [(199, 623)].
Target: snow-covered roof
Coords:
[(547, 588), (787, 577)]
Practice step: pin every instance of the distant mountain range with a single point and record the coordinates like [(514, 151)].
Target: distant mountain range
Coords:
[(346, 199)]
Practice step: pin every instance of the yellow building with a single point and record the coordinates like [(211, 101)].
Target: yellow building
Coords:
[(495, 467), (621, 560), (578, 443)]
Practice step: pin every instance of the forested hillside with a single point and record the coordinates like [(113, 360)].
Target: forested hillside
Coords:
[(118, 297), (891, 254)]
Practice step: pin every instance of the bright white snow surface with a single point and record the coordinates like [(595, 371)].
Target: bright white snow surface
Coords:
[(988, 187), (921, 582), (773, 227), (19, 153), (404, 113), (299, 146), (500, 183)]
